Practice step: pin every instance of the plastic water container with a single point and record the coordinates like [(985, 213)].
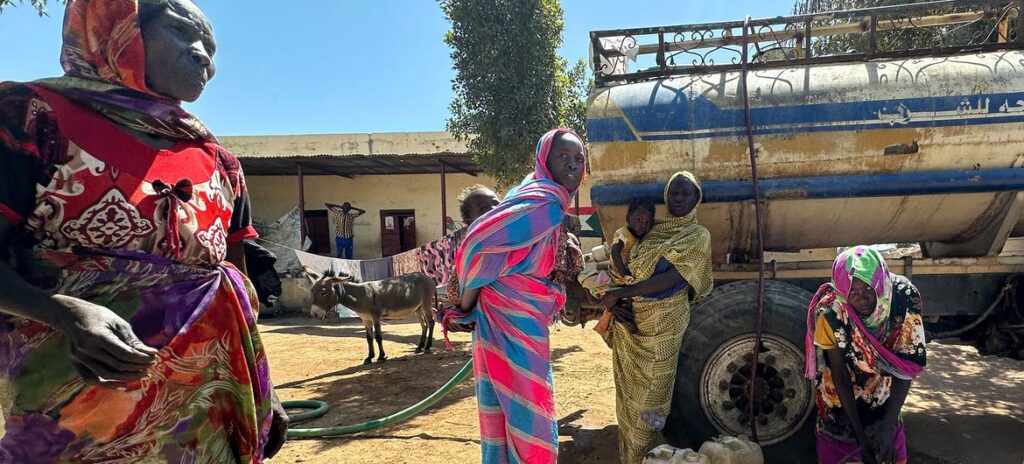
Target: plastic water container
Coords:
[(732, 450), (600, 253), (666, 454)]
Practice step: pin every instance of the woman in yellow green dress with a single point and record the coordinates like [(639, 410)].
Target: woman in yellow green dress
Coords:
[(672, 267)]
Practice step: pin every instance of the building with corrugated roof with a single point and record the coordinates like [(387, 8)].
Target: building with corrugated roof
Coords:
[(407, 182)]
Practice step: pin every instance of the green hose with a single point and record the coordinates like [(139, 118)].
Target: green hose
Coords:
[(320, 408)]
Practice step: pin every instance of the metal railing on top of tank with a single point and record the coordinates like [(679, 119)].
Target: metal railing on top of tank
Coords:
[(902, 31)]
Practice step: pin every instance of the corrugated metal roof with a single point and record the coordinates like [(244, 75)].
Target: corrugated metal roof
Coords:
[(351, 154)]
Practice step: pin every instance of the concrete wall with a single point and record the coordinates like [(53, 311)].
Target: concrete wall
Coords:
[(273, 196), (393, 143)]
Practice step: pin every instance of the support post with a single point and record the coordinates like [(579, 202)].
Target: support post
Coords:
[(302, 209), (444, 202)]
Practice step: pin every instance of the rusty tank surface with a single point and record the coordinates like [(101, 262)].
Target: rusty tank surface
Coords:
[(907, 147)]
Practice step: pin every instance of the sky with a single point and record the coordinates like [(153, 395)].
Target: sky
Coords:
[(343, 66)]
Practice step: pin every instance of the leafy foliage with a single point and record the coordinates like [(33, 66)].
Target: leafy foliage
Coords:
[(578, 84), (899, 39), (511, 85), (39, 5)]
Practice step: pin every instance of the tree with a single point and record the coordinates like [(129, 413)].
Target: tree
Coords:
[(900, 39), (39, 5), (578, 84), (511, 85)]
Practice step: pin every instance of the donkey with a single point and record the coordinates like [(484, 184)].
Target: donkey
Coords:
[(390, 299)]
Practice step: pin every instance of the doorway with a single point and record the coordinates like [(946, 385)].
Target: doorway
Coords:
[(397, 231), (318, 230)]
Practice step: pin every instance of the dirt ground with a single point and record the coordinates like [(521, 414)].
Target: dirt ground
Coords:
[(964, 409)]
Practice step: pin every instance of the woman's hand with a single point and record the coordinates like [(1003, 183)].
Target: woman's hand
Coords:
[(621, 308), (453, 326), (459, 327), (610, 299), (867, 455), (469, 298), (882, 433), (279, 423), (868, 450), (103, 346), (623, 312), (881, 436)]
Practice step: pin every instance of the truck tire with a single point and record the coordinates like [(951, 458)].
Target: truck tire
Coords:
[(710, 397)]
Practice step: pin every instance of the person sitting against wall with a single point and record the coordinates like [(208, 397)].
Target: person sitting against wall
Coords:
[(865, 344), (128, 329)]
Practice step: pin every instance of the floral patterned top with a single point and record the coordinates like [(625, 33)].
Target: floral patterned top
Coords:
[(96, 214), (903, 334), (568, 258), (74, 179)]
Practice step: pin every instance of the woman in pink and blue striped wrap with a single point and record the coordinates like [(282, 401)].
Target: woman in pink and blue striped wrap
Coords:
[(505, 264)]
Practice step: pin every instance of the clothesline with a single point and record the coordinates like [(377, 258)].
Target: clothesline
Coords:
[(436, 259)]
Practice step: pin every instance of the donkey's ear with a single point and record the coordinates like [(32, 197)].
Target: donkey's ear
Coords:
[(337, 280), (346, 277), (313, 275)]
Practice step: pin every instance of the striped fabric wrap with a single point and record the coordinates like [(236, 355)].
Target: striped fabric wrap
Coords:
[(509, 254)]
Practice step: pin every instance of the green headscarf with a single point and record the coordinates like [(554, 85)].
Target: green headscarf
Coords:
[(867, 265)]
